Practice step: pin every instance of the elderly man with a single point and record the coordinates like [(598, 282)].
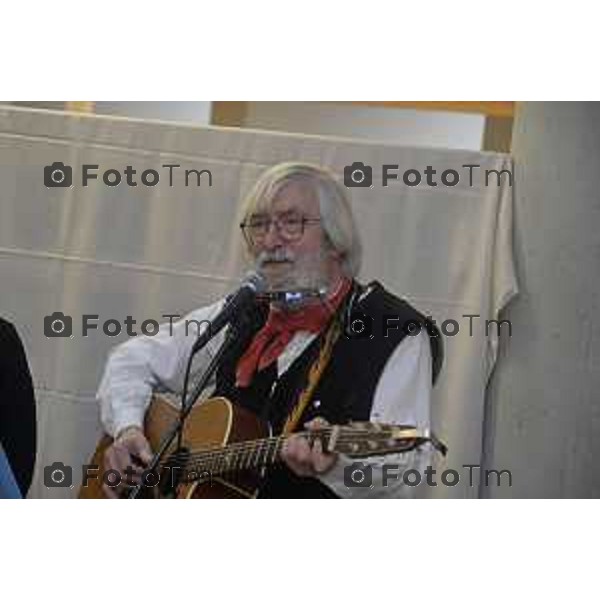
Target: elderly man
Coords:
[(300, 233)]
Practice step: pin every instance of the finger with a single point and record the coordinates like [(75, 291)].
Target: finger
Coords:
[(317, 423), (289, 450), (133, 452), (321, 461), (300, 451), (117, 458), (135, 448), (140, 447), (112, 459), (296, 455)]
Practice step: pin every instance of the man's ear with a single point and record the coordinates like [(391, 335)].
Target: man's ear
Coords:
[(338, 255), (332, 250)]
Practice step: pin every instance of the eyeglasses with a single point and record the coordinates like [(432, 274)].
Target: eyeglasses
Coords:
[(290, 227)]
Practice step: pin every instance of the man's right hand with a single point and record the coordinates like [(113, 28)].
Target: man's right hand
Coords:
[(124, 456)]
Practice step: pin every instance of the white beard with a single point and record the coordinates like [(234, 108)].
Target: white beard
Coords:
[(306, 272)]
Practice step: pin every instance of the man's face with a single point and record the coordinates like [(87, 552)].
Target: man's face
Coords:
[(290, 261)]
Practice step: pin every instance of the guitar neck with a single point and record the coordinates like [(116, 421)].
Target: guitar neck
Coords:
[(255, 454), (240, 456)]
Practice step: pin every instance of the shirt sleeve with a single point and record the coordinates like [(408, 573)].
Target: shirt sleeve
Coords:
[(140, 365), (402, 396)]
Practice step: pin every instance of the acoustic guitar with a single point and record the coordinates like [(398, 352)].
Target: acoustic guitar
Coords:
[(228, 449)]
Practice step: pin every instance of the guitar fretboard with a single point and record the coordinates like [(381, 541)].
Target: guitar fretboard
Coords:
[(255, 454)]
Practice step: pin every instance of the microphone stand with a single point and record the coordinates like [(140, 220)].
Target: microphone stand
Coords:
[(186, 408)]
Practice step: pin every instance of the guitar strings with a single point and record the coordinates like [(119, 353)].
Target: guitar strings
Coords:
[(219, 466), (257, 451), (263, 455), (250, 445)]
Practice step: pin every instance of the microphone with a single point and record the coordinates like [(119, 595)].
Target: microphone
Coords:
[(243, 298), (293, 297)]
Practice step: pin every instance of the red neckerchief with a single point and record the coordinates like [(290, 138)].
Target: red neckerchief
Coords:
[(280, 328)]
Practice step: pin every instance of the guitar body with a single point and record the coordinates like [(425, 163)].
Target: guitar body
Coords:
[(213, 423), (228, 448)]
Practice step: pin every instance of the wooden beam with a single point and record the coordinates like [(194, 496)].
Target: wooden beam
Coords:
[(497, 134), (80, 107), (228, 114), (490, 109)]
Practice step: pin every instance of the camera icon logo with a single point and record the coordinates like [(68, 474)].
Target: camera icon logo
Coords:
[(358, 175), (58, 175), (358, 326), (58, 325), (358, 475), (58, 475)]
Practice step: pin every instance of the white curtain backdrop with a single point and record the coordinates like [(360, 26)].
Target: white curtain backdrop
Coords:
[(150, 251)]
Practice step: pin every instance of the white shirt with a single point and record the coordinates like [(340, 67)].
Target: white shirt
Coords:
[(144, 363)]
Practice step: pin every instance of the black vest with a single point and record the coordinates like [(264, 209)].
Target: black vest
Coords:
[(347, 386)]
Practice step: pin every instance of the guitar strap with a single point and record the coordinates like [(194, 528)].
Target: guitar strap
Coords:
[(316, 370)]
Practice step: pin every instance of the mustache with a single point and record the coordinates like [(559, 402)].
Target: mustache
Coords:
[(279, 255)]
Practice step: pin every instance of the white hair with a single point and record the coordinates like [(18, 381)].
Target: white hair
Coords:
[(337, 219)]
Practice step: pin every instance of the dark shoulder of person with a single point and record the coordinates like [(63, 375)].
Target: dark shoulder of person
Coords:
[(17, 406), (380, 304)]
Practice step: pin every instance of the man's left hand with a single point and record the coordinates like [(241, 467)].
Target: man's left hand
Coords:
[(306, 460)]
